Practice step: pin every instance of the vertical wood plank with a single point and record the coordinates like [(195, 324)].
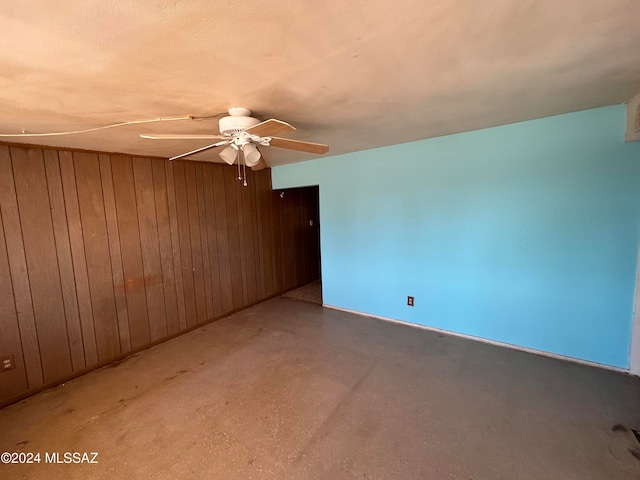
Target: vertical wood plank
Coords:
[(133, 285), (300, 232), (211, 229), (94, 227), (316, 234), (241, 243), (258, 233), (287, 240), (147, 221), (278, 260), (265, 214), (274, 229), (258, 264), (196, 247), (233, 229), (312, 234), (18, 269), (42, 262), (175, 245), (14, 382), (249, 253), (204, 241), (19, 274), (164, 242), (76, 239), (292, 258), (182, 211), (222, 237), (292, 238), (113, 235), (65, 262)]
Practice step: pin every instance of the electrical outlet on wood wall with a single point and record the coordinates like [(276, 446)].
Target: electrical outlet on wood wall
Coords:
[(8, 362)]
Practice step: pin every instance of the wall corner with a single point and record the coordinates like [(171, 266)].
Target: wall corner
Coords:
[(632, 133), (634, 353)]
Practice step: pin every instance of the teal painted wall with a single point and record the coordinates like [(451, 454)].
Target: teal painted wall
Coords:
[(526, 234)]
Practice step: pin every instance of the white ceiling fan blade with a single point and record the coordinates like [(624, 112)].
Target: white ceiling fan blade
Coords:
[(179, 136), (200, 150), (270, 127), (298, 145)]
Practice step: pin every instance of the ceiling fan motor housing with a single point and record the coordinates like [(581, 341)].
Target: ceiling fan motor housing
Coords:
[(238, 120)]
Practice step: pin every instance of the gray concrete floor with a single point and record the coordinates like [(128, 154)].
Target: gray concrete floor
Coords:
[(290, 390), (311, 292)]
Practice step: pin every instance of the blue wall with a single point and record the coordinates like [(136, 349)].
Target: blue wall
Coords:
[(526, 234)]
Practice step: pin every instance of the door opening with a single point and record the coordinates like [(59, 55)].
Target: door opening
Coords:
[(300, 208)]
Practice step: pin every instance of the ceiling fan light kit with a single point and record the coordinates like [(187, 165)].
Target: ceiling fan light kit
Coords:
[(229, 154), (242, 133), (251, 155)]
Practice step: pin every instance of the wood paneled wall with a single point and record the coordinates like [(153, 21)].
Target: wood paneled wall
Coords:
[(102, 254)]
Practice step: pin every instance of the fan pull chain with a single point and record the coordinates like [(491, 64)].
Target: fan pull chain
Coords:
[(244, 171)]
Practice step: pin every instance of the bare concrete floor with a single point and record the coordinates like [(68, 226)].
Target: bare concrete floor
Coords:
[(289, 390), (311, 292)]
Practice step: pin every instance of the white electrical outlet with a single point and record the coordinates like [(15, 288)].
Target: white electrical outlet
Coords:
[(8, 362)]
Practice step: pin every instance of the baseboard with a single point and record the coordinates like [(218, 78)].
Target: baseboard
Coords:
[(486, 340)]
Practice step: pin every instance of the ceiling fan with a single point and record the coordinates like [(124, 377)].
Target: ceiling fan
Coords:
[(241, 133)]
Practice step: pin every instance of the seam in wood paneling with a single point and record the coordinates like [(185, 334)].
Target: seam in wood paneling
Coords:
[(113, 238), (211, 230), (249, 253), (130, 248), (222, 238), (19, 274), (196, 245), (97, 253), (175, 246), (164, 246), (237, 290), (65, 260), (184, 231), (76, 242), (241, 241), (14, 381), (204, 241), (258, 234), (150, 247), (140, 280)]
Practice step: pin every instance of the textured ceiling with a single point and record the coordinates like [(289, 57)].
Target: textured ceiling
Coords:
[(355, 75)]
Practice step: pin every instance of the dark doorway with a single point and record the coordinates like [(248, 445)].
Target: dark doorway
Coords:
[(301, 206)]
